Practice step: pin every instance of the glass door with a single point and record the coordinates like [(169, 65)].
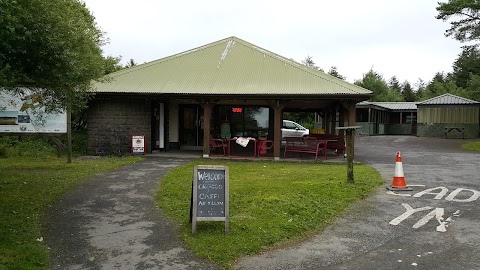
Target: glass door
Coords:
[(191, 127)]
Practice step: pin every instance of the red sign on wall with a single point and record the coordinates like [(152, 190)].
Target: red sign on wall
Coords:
[(237, 110)]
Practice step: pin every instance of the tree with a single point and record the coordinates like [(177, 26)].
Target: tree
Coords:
[(473, 87), (467, 27), (131, 63), (468, 62), (407, 92), (112, 64), (442, 84), (375, 82), (334, 72), (52, 48), (394, 84), (308, 61), (420, 86)]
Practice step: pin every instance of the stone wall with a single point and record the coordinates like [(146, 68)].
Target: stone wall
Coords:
[(111, 122)]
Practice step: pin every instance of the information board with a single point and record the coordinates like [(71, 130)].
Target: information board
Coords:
[(210, 195), (138, 144), (26, 113)]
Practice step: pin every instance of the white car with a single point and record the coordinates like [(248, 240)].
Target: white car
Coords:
[(290, 129)]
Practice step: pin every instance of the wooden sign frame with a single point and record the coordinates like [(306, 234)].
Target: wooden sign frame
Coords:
[(209, 193)]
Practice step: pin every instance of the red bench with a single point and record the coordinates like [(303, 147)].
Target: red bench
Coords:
[(334, 142), (305, 145)]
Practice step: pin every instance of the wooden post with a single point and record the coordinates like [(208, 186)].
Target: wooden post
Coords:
[(351, 141), (350, 155), (207, 116), (341, 121), (277, 107), (69, 131), (333, 122)]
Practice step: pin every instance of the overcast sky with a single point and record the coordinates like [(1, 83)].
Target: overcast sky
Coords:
[(396, 38)]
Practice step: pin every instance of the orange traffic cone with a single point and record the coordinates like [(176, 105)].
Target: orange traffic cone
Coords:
[(399, 183)]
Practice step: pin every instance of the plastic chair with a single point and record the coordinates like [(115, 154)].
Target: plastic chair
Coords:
[(215, 144)]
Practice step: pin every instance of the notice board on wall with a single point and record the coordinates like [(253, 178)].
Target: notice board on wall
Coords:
[(210, 195)]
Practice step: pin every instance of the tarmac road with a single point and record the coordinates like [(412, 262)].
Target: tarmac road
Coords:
[(420, 229), (111, 222)]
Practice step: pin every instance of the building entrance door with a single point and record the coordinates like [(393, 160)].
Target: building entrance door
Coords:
[(191, 127)]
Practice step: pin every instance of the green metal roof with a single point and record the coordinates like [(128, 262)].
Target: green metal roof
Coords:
[(226, 67), (449, 99)]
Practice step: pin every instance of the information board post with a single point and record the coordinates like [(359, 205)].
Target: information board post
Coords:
[(210, 195), (350, 150)]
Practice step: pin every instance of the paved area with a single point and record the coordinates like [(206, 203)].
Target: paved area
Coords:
[(436, 226), (111, 222)]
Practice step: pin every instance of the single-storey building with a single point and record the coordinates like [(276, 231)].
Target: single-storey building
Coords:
[(181, 101), (382, 118), (449, 116), (443, 116)]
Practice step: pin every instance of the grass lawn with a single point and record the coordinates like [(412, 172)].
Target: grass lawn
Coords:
[(472, 146), (271, 203), (29, 185)]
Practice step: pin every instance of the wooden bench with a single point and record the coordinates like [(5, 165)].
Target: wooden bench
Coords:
[(305, 145)]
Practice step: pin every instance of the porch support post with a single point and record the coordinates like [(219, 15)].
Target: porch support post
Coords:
[(341, 123), (277, 106), (327, 121), (334, 120), (207, 116)]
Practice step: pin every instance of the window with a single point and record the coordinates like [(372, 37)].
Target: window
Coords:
[(247, 121)]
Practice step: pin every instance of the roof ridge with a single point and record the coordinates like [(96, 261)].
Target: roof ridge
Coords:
[(320, 74), (449, 95)]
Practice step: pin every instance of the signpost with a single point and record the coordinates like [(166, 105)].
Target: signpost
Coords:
[(210, 195), (349, 150)]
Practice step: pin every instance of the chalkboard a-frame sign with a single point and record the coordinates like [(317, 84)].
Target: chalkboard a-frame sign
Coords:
[(210, 195)]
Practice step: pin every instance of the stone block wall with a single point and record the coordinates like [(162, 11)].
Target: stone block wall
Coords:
[(111, 122)]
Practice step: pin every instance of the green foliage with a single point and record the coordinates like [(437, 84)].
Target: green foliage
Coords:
[(468, 62), (473, 87), (407, 92), (112, 64), (467, 26), (27, 187), (375, 82), (442, 84), (27, 146), (38, 146), (306, 119), (51, 47), (394, 84), (308, 61), (270, 203), (472, 146), (334, 72), (131, 63)]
